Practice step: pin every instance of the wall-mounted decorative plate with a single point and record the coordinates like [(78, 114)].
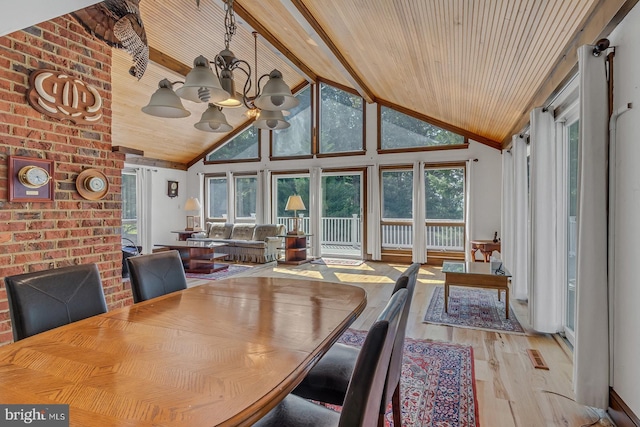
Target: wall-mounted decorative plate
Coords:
[(92, 184), (30, 179)]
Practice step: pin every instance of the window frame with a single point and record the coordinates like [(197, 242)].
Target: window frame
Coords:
[(230, 137)]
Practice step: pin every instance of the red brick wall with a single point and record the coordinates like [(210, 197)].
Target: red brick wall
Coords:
[(70, 230)]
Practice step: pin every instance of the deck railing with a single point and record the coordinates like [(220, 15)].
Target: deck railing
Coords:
[(346, 231)]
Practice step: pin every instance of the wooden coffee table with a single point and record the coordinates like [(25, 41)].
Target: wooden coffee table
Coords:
[(198, 257), (475, 275)]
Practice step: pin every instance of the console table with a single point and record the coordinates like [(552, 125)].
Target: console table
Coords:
[(295, 249), (198, 257), (486, 247)]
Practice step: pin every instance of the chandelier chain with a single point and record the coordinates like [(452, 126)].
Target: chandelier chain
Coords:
[(229, 23)]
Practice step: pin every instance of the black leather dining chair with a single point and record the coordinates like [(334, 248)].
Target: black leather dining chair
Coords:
[(156, 274), (46, 299), (364, 393), (329, 378)]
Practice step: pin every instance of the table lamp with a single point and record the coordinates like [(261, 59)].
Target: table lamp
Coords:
[(295, 204), (192, 205)]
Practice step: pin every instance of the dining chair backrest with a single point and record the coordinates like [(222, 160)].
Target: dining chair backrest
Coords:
[(367, 383), (407, 280), (46, 299), (156, 274)]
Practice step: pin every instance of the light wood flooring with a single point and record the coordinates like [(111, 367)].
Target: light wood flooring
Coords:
[(510, 391)]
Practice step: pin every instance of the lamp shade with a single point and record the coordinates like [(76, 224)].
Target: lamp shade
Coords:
[(201, 77), (213, 120), (165, 103), (193, 204), (271, 120), (276, 95), (295, 203), (229, 85)]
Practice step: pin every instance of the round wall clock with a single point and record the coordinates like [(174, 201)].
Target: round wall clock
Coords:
[(33, 176), (92, 184)]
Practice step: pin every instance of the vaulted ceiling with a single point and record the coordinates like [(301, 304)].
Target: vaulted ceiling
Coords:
[(478, 66)]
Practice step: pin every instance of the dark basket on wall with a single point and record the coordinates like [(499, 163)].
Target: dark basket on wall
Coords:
[(129, 249)]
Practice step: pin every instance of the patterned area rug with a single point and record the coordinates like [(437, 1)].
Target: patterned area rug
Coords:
[(471, 308), (437, 385), (337, 261), (221, 274)]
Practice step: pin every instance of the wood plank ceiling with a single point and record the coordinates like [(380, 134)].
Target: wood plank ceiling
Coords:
[(473, 65)]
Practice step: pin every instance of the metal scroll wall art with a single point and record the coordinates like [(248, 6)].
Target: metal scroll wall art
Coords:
[(61, 96)]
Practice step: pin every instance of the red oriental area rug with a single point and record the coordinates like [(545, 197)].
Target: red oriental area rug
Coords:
[(437, 385)]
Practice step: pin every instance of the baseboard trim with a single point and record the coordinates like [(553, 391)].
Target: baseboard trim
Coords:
[(619, 412)]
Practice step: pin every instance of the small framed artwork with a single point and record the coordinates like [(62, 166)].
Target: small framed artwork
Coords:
[(172, 189), (190, 222), (30, 179)]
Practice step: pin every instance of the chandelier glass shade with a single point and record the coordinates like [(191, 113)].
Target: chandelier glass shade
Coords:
[(213, 82)]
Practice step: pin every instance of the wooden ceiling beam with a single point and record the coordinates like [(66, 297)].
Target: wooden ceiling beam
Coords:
[(275, 45), (609, 12), (303, 16), (168, 62)]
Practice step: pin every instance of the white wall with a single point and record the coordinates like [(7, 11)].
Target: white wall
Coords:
[(626, 369), (17, 15)]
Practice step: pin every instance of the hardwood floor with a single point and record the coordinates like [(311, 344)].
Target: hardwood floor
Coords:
[(510, 391)]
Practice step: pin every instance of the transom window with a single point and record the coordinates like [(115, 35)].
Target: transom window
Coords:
[(341, 121), (244, 146), (401, 131), (296, 139)]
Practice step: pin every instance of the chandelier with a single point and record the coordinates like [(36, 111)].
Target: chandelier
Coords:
[(217, 89)]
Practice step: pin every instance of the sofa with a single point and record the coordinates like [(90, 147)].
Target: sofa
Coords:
[(245, 242)]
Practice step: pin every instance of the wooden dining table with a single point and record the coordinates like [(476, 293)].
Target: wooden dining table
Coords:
[(219, 354)]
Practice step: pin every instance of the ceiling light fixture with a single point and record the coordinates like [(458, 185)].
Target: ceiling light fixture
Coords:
[(202, 85)]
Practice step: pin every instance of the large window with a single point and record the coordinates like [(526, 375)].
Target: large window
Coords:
[(129, 207), (242, 147), (401, 131), (296, 139), (397, 208), (217, 199), (444, 200), (246, 198), (341, 121)]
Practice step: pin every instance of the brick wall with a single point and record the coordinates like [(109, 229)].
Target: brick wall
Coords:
[(70, 230)]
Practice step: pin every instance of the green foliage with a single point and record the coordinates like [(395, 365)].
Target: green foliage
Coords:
[(246, 196), (341, 196), (287, 187), (129, 196), (217, 197), (444, 194), (397, 193)]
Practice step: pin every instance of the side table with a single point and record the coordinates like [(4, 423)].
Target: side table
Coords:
[(295, 249), (184, 235)]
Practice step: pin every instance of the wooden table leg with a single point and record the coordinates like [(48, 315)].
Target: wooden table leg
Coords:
[(506, 300), (446, 297)]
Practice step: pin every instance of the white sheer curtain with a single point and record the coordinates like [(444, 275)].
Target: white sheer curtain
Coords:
[(374, 241), (591, 351), (263, 202), (515, 216), (419, 253), (231, 197), (468, 209), (545, 294), (507, 230), (143, 203), (314, 209)]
